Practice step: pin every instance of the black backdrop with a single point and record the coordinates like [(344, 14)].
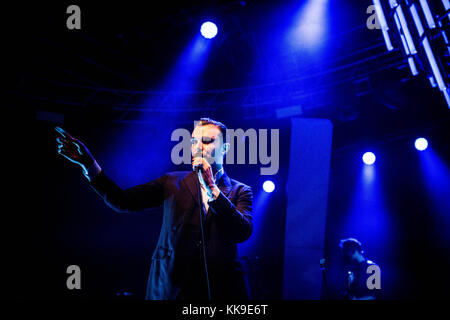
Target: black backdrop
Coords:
[(51, 218)]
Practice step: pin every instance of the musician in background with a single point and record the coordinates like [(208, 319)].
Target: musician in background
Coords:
[(359, 270)]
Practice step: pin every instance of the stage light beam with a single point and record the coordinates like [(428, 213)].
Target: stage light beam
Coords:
[(309, 25)]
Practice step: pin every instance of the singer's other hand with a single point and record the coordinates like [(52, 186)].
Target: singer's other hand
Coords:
[(73, 149)]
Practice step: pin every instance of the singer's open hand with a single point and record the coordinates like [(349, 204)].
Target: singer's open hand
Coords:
[(206, 171), (73, 149)]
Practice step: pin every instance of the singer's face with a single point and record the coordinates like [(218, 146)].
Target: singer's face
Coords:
[(207, 142)]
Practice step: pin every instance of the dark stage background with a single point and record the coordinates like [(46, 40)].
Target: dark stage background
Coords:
[(113, 84)]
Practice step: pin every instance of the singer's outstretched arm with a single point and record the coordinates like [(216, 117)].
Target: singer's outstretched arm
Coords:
[(137, 198), (133, 199)]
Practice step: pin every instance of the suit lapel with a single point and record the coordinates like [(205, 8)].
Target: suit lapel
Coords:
[(224, 184), (190, 181)]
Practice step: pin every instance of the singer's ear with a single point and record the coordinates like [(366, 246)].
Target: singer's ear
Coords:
[(225, 148)]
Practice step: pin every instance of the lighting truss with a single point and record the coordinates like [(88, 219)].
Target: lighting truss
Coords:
[(419, 26)]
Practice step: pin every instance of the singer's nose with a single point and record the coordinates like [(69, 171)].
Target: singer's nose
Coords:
[(197, 143)]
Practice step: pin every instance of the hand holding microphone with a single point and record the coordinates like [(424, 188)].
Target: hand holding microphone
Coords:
[(200, 164)]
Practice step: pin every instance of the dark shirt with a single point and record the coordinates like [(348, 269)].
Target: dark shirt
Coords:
[(357, 287)]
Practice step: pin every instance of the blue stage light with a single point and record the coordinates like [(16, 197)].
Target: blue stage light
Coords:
[(421, 144), (268, 186), (383, 24), (208, 30), (369, 158)]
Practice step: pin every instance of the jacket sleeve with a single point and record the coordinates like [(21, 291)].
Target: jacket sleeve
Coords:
[(235, 219), (137, 198)]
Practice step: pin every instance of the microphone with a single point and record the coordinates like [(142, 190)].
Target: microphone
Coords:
[(198, 167)]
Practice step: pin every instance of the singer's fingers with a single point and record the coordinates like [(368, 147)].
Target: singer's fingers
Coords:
[(201, 162), (197, 161), (205, 163), (62, 141), (64, 133), (69, 145), (196, 164), (63, 152), (69, 150), (68, 153), (68, 157), (61, 132)]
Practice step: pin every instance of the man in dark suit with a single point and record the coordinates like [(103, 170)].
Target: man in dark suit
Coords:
[(194, 258)]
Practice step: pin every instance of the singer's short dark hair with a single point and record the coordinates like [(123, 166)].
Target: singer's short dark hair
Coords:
[(350, 244), (220, 125)]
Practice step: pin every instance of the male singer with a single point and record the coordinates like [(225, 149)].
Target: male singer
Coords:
[(179, 269)]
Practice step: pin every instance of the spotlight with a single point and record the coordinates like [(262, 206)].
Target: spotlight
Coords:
[(208, 30), (268, 186), (368, 158), (421, 144)]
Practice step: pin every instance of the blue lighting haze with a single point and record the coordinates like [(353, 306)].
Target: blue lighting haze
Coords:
[(309, 25)]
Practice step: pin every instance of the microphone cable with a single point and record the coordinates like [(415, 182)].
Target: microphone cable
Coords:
[(200, 205)]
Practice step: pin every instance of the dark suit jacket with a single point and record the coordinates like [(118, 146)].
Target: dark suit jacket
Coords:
[(228, 222)]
